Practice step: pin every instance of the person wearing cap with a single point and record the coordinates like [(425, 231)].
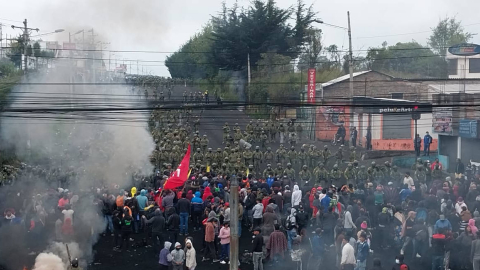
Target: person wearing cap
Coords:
[(226, 212), (178, 257), (257, 249)]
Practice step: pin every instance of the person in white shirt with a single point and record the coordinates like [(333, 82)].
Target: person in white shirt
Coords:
[(67, 213), (408, 180), (458, 206), (296, 196), (257, 214), (349, 225), (348, 256)]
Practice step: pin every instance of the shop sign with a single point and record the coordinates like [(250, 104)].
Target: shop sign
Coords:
[(468, 128)]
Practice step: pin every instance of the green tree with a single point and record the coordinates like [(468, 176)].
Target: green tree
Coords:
[(16, 51), (406, 58), (194, 58), (37, 51), (334, 56), (448, 32), (310, 58), (262, 27)]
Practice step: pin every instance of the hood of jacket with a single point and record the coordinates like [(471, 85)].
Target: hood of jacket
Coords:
[(167, 245), (269, 209), (295, 188), (197, 194), (171, 211), (143, 192), (293, 211), (207, 191)]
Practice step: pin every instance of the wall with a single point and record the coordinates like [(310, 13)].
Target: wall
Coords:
[(463, 67), (328, 120), (424, 125), (374, 84)]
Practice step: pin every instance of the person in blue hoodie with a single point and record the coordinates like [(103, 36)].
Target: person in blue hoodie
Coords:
[(142, 201), (197, 210), (442, 224), (325, 202)]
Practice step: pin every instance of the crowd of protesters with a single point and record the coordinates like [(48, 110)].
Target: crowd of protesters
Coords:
[(427, 217)]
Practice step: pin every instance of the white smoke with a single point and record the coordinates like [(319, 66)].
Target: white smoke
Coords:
[(49, 261)]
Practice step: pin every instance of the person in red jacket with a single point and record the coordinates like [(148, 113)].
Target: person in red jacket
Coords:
[(206, 193), (435, 163), (265, 202)]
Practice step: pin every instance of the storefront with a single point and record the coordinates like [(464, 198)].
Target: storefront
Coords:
[(390, 122), (463, 143)]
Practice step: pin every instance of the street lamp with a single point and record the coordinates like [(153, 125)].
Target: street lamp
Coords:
[(54, 32), (350, 53)]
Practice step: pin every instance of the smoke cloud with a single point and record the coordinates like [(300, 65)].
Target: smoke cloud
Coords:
[(49, 261), (76, 150)]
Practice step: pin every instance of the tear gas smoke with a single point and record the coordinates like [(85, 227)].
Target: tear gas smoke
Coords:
[(49, 261), (77, 150)]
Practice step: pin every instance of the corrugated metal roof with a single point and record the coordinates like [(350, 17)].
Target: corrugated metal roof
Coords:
[(343, 78)]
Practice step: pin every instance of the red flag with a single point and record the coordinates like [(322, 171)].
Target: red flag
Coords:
[(180, 176)]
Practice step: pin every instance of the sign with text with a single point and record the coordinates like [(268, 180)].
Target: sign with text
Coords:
[(311, 85), (468, 128), (442, 121), (465, 49)]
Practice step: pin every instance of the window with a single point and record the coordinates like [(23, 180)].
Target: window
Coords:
[(452, 66), (474, 65), (397, 126), (397, 95)]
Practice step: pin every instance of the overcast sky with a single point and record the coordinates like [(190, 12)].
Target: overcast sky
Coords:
[(162, 26)]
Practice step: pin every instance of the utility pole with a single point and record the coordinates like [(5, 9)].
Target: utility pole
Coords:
[(25, 30), (234, 224), (25, 43), (1, 42), (248, 68), (350, 58)]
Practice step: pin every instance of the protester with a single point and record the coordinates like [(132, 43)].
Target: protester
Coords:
[(190, 256), (277, 244), (348, 256), (257, 249), (210, 252), (224, 237), (165, 258), (184, 208)]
